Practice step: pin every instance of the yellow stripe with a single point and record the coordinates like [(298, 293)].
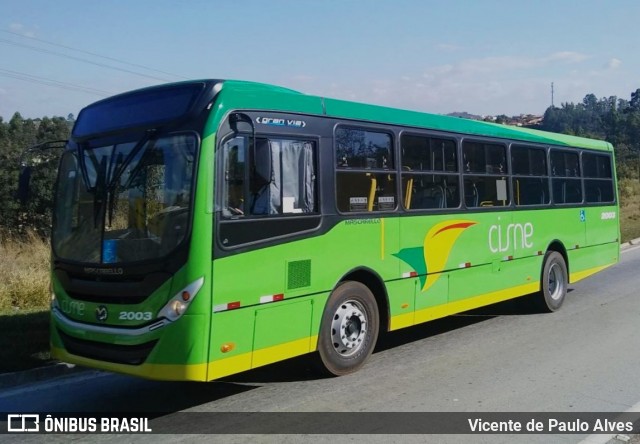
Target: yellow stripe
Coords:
[(401, 321), (579, 275), (165, 372), (198, 372), (277, 353), (382, 239), (269, 355), (441, 311), (229, 366)]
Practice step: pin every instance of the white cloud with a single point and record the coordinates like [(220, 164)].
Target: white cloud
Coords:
[(501, 64), (448, 47), (21, 29), (484, 85), (566, 56), (614, 63)]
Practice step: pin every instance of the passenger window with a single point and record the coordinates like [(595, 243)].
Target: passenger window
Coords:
[(430, 191), (357, 148), (485, 174), (485, 191), (528, 161), (596, 165), (564, 164), (428, 154), (270, 177), (425, 182), (566, 185), (365, 175), (530, 178), (598, 184)]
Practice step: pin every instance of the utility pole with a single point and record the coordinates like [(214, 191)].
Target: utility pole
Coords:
[(551, 94)]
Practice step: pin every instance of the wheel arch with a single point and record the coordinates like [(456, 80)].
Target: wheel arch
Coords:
[(558, 246), (375, 284)]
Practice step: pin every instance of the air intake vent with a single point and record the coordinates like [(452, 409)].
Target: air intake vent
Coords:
[(298, 274)]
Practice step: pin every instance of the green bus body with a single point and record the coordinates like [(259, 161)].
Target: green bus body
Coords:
[(258, 286)]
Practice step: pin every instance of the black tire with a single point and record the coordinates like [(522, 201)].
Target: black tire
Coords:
[(553, 282), (349, 329)]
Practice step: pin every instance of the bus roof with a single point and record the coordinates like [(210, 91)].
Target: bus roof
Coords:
[(252, 95)]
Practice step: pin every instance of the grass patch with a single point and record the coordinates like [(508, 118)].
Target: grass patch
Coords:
[(24, 340), (25, 270), (629, 190), (24, 303)]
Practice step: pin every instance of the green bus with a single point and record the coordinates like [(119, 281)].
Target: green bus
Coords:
[(209, 227)]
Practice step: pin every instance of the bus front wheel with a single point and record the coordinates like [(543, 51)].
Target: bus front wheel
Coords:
[(349, 328), (553, 282)]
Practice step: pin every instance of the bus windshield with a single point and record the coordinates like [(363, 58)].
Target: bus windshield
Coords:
[(132, 205)]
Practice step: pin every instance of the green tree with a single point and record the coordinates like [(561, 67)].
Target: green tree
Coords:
[(634, 104), (15, 137), (612, 119)]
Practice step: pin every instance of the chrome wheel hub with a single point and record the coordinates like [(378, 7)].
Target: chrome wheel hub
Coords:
[(349, 328), (556, 282)]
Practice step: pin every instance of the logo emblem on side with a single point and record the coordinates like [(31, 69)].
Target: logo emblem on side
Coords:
[(101, 313)]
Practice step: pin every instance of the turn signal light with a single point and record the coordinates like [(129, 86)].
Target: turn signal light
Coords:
[(225, 348), (178, 304)]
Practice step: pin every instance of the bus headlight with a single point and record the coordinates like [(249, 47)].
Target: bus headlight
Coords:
[(178, 307), (178, 304)]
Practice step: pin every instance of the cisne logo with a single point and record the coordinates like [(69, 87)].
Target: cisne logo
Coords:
[(501, 237)]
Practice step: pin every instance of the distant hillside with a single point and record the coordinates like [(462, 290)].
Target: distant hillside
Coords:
[(527, 120), (466, 115)]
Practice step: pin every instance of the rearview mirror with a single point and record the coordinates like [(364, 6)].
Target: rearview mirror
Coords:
[(22, 195)]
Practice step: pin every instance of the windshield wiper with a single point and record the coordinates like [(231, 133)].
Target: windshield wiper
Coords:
[(110, 198), (134, 151), (99, 191), (120, 167)]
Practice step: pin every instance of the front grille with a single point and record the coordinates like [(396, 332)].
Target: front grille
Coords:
[(110, 289), (107, 299), (119, 354)]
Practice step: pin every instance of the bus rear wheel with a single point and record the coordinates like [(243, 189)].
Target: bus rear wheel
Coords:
[(553, 282), (349, 329)]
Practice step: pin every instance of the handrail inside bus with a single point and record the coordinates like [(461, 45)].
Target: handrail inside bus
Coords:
[(408, 193), (372, 193)]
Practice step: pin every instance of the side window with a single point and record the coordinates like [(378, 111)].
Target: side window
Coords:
[(530, 179), (425, 164), (598, 182), (235, 177), (270, 177), (365, 174), (565, 182), (485, 174)]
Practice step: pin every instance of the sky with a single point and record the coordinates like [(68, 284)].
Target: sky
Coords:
[(485, 57)]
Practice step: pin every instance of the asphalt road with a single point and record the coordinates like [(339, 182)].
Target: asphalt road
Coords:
[(583, 358)]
